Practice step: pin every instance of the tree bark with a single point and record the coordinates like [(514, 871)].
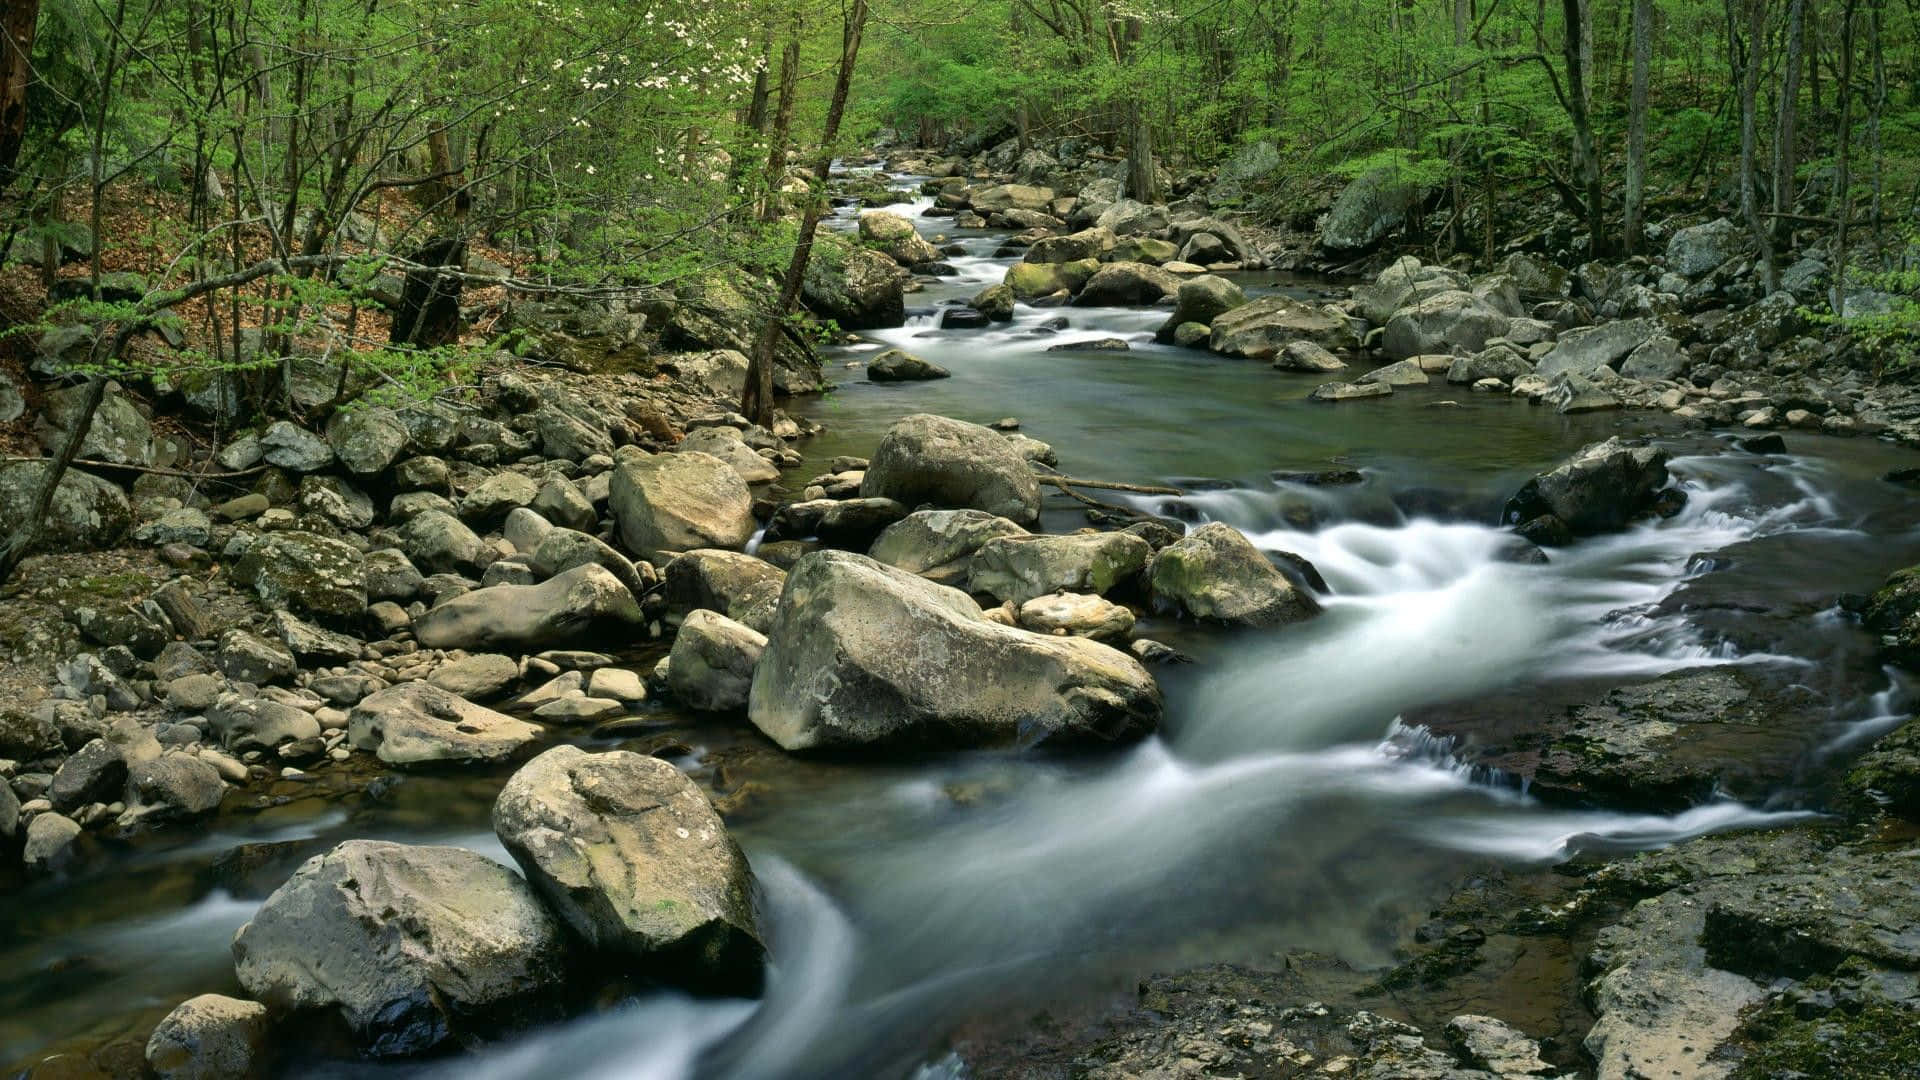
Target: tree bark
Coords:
[(1785, 160), (1843, 162), (782, 121), (1748, 60), (1585, 157), (1636, 181), (756, 399), (17, 19)]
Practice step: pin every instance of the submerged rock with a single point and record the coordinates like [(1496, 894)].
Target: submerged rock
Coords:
[(1600, 489), (412, 947), (863, 653), (635, 861)]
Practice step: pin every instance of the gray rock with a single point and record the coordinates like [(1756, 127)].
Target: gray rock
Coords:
[(488, 504), (12, 404), (1079, 614), (307, 573), (97, 772), (563, 504), (49, 848), (245, 724), (1370, 207), (843, 523), (862, 290), (834, 672), (184, 525), (633, 859), (940, 544), (666, 503), (1441, 323), (742, 587), (1495, 362), (1397, 374), (1127, 284), (209, 1037), (1493, 1045), (367, 441), (421, 724), (1308, 357), (295, 448), (390, 575), (527, 618), (247, 657), (726, 444), (9, 814), (1571, 392), (1215, 573), (951, 463), (336, 500), (1263, 327), (1203, 299), (1659, 357), (87, 513), (480, 677), (711, 665), (564, 549), (412, 946), (443, 544), (172, 787), (1585, 352), (1346, 391), (1696, 250), (1021, 568), (1599, 489), (118, 433), (898, 365), (1128, 217)]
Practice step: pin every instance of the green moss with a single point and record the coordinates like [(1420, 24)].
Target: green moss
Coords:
[(1869, 1042)]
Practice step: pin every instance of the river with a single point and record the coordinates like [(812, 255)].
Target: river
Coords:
[(1284, 805)]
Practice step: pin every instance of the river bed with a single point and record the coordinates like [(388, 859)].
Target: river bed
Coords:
[(1283, 806)]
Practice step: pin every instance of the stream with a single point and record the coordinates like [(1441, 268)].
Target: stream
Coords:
[(1283, 805)]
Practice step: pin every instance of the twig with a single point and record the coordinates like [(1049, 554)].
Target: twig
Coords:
[(1060, 479), (154, 469)]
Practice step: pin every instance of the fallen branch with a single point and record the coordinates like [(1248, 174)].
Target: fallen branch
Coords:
[(1060, 479), (1111, 508), (154, 469)]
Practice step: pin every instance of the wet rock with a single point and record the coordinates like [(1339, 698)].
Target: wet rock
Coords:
[(1021, 568), (995, 302), (244, 724), (711, 665), (860, 290), (1346, 391), (1600, 489), (1215, 573), (1571, 393), (940, 544), (843, 523), (1888, 775), (951, 463), (95, 773), (726, 444), (739, 586), (1398, 374), (665, 503), (210, 1037), (306, 573), (834, 673), (1126, 284), (421, 724), (1308, 357), (524, 618), (898, 365), (1201, 300), (172, 787), (1490, 1044), (894, 236), (412, 947), (636, 863), (1085, 244), (87, 513), (1260, 329)]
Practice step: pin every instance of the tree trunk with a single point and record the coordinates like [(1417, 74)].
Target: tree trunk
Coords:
[(756, 400), (17, 18), (1843, 161), (757, 107), (783, 122), (1876, 106), (1785, 160), (1636, 181), (28, 531), (1585, 158), (1143, 180), (1749, 68)]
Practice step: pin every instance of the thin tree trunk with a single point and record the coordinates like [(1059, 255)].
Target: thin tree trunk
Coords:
[(1784, 158), (1636, 182), (28, 531), (1843, 172), (17, 18), (756, 400), (783, 121), (1749, 61), (1586, 160), (757, 106), (1876, 106)]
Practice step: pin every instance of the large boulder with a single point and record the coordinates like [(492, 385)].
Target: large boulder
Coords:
[(443, 544), (306, 573), (1129, 217), (1127, 284), (951, 463), (418, 723), (1372, 206), (1085, 244), (1259, 330), (87, 513), (862, 653), (1497, 362), (859, 289), (412, 947), (1201, 300), (634, 860), (899, 365), (1021, 568), (940, 544), (1441, 323), (1600, 489), (1658, 357), (1003, 197), (118, 434), (726, 444), (566, 608), (894, 236), (367, 440), (1699, 249), (1586, 351), (666, 503), (737, 585), (1214, 573), (711, 665)]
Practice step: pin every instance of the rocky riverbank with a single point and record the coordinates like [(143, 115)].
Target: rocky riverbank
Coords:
[(491, 581)]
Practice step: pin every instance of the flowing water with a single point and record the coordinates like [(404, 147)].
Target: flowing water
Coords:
[(1284, 805)]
